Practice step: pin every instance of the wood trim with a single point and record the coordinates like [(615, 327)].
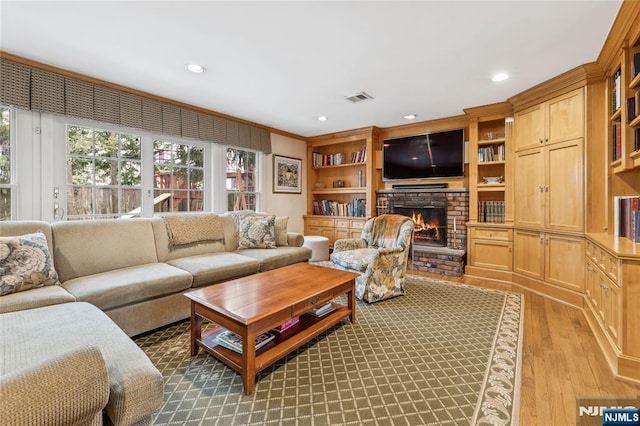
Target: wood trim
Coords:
[(566, 82), (625, 22), (490, 112), (98, 82)]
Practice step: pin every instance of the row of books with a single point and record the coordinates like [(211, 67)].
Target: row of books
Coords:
[(322, 160), (491, 211), (616, 90), (357, 207), (616, 141), (626, 216), (487, 153), (233, 341)]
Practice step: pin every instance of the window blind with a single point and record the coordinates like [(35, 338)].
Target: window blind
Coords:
[(32, 88)]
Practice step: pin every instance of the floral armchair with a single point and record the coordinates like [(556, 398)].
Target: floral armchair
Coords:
[(380, 255)]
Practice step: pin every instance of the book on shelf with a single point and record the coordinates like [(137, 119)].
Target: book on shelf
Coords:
[(488, 153), (636, 65), (636, 139), (626, 210), (631, 109), (322, 310), (232, 341), (616, 93), (287, 325), (491, 211), (356, 207), (359, 156), (616, 141)]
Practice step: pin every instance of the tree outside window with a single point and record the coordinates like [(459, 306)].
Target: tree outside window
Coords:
[(104, 178), (242, 179), (178, 174), (5, 163)]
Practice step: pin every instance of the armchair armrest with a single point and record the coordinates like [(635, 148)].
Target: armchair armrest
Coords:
[(69, 388), (349, 244), (389, 250)]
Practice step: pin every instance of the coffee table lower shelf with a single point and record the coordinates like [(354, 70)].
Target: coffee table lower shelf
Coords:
[(284, 343)]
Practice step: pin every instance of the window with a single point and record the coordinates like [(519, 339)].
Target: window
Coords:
[(242, 178), (104, 178), (178, 176), (6, 180)]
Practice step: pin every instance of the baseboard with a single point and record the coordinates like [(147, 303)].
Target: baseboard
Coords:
[(550, 291)]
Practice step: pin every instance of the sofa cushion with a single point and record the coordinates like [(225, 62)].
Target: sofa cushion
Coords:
[(216, 267), (41, 296), (278, 257), (88, 247), (256, 232), (35, 335), (125, 286), (25, 263), (356, 260)]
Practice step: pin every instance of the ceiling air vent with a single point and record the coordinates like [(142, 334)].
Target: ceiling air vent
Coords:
[(359, 97)]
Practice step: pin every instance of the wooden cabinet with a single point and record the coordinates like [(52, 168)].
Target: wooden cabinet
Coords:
[(490, 247), (339, 182), (549, 188), (553, 258), (557, 120)]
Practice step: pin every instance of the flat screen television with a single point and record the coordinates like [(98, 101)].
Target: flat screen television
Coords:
[(426, 156)]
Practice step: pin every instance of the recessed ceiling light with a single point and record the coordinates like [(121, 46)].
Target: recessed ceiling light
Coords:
[(195, 68), (500, 77), (409, 116), (322, 118)]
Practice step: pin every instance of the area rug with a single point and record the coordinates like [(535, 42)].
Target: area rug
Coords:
[(445, 353)]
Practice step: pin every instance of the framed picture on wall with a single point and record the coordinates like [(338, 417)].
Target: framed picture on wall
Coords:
[(287, 174)]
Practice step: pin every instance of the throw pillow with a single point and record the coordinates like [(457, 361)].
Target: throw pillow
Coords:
[(25, 263), (281, 230), (256, 232)]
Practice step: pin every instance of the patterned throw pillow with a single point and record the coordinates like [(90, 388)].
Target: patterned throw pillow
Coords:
[(256, 232), (25, 263)]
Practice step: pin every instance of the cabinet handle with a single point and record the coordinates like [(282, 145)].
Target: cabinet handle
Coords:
[(541, 141), (546, 140), (546, 189), (541, 188)]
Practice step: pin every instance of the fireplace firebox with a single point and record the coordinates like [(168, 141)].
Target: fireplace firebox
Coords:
[(430, 224)]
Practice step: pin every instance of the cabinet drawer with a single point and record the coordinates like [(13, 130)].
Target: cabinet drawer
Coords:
[(357, 224), (312, 302), (316, 221), (492, 233), (342, 223)]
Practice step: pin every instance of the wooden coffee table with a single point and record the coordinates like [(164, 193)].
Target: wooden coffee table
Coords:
[(252, 305)]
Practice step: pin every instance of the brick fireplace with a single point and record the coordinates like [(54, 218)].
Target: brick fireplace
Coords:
[(440, 235)]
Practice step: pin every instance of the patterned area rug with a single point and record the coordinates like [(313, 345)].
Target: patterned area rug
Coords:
[(443, 354)]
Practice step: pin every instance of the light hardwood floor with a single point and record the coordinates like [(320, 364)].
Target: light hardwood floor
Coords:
[(561, 360)]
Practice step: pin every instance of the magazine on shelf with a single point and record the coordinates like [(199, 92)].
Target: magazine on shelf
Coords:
[(287, 325), (231, 340), (323, 310)]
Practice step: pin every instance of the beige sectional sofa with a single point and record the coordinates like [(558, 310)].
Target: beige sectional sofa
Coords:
[(117, 278)]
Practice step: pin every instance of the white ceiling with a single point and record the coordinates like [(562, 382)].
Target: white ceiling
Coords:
[(283, 64)]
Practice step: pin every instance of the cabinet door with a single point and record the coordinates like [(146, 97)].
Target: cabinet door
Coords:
[(592, 285), (324, 232), (564, 261), (564, 189), (528, 253), (528, 188), (565, 117), (528, 128), (611, 300), (341, 233), (491, 254)]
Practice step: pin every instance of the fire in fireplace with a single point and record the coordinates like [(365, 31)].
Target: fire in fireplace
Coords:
[(430, 224)]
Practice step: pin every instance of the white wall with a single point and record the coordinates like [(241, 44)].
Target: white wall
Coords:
[(292, 205)]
